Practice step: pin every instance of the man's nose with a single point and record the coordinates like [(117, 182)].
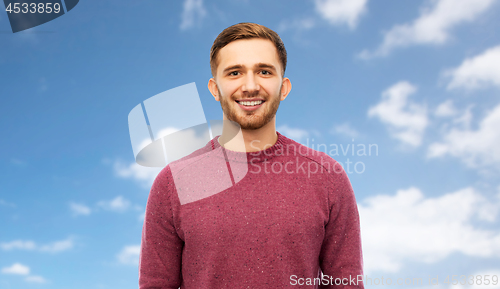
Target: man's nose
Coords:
[(250, 84)]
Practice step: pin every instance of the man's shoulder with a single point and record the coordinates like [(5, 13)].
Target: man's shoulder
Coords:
[(292, 148)]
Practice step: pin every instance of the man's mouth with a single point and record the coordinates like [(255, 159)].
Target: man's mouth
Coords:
[(250, 103)]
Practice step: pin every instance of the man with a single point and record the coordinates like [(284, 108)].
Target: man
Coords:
[(290, 216)]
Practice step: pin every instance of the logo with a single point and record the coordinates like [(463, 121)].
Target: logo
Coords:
[(26, 14), (171, 126)]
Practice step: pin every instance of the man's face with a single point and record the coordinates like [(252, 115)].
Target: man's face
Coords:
[(248, 82)]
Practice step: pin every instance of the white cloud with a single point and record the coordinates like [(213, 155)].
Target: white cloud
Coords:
[(446, 109), (58, 246), (432, 27), (16, 269), (129, 255), (54, 247), (118, 204), (477, 72), (296, 134), (465, 118), (145, 175), (192, 14), (18, 244), (20, 269), (406, 120), (79, 209), (475, 147), (341, 12), (410, 227), (36, 279), (345, 129)]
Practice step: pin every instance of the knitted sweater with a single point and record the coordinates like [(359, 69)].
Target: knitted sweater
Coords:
[(282, 217)]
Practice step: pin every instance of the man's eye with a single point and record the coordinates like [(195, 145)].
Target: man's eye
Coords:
[(265, 72), (233, 73)]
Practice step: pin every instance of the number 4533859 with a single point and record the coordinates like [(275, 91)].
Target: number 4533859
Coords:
[(33, 8)]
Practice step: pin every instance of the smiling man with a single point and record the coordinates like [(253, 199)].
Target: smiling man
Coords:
[(289, 221), (248, 80)]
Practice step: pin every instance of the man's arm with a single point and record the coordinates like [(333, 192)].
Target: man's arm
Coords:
[(161, 247), (341, 255)]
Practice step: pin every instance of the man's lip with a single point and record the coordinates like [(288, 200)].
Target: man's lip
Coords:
[(249, 108), (250, 99)]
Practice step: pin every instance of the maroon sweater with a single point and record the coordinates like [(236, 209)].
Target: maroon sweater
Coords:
[(277, 220)]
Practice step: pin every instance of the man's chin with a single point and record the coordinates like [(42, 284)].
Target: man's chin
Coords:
[(251, 125)]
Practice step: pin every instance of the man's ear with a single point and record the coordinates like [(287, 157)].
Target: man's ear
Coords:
[(212, 86), (286, 86)]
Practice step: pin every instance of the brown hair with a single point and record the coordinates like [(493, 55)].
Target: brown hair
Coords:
[(246, 30)]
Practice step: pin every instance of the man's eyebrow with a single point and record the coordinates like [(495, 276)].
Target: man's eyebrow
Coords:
[(237, 66), (266, 65), (258, 65)]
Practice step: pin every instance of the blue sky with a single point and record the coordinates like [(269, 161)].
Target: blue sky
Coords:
[(419, 80)]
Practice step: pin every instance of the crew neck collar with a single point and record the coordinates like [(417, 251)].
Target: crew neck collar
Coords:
[(258, 156)]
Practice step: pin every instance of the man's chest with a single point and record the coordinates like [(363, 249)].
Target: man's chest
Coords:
[(258, 210)]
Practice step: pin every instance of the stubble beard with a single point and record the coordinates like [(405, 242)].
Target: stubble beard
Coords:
[(251, 120)]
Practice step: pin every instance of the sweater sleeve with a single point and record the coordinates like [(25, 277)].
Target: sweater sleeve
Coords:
[(341, 255), (161, 247)]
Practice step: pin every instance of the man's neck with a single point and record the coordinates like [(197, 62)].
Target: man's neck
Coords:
[(251, 140)]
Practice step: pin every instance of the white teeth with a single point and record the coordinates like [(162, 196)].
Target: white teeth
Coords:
[(251, 103)]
